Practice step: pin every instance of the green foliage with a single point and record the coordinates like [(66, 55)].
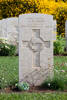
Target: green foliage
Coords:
[(57, 83), (59, 45), (23, 86), (60, 15), (60, 68), (13, 8), (6, 49)]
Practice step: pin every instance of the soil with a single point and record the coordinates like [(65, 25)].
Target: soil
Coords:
[(64, 54), (31, 90)]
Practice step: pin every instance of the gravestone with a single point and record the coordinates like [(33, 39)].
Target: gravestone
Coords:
[(12, 30), (66, 33), (4, 29), (9, 30), (0, 28), (35, 48)]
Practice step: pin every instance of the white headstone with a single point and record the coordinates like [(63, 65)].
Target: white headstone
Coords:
[(12, 30), (9, 30), (0, 28), (4, 29), (66, 33), (35, 48)]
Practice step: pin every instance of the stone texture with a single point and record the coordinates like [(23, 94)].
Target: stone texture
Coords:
[(9, 30), (35, 48), (66, 33), (12, 30), (0, 28), (4, 29)]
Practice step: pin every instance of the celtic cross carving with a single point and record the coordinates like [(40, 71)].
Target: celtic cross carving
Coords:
[(36, 44)]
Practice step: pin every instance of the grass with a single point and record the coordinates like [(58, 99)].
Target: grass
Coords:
[(9, 76), (59, 81), (60, 67), (9, 69), (34, 96)]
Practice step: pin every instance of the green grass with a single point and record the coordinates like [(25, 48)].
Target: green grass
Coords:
[(59, 81), (34, 96), (9, 69), (60, 67), (9, 76)]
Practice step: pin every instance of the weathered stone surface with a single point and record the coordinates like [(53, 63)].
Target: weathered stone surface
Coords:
[(35, 48), (4, 29), (12, 30), (9, 29), (0, 28)]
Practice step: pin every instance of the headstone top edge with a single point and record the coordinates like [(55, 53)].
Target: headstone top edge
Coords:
[(12, 18), (35, 14), (9, 18)]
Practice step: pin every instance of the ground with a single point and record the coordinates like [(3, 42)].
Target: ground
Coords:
[(34, 96), (9, 76)]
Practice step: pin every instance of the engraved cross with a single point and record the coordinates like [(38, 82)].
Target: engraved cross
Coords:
[(36, 44)]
